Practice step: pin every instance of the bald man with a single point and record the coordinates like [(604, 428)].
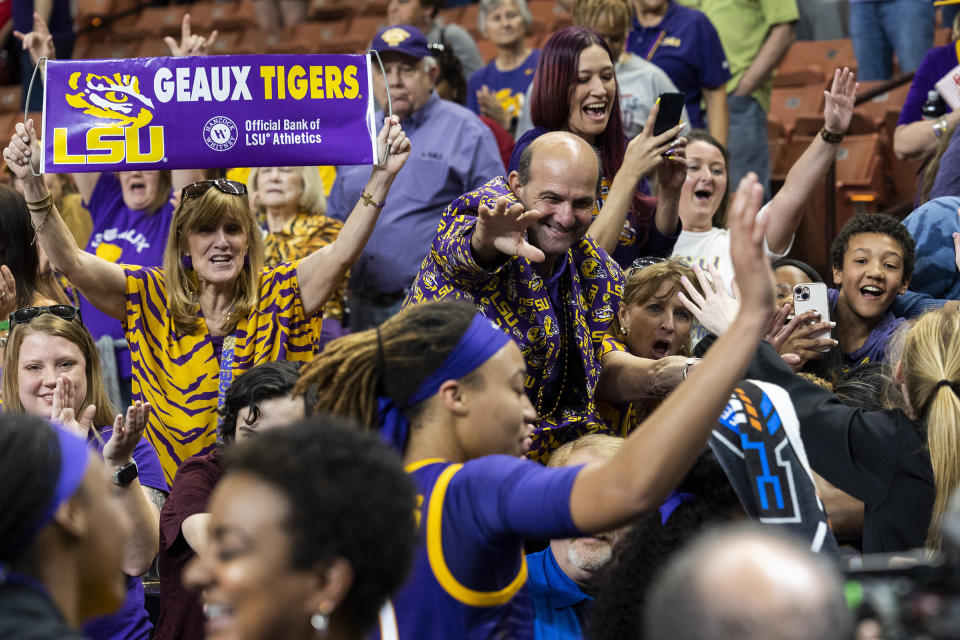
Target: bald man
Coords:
[(750, 584), (518, 249)]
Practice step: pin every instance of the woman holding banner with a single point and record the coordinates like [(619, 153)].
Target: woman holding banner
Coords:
[(212, 310)]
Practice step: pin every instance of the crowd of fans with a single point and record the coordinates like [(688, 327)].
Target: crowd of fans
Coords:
[(539, 374)]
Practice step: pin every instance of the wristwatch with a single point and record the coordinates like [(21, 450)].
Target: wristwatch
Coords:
[(831, 137), (126, 474), (689, 362)]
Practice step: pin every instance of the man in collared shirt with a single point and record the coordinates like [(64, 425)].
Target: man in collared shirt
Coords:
[(560, 577), (453, 152), (518, 249)]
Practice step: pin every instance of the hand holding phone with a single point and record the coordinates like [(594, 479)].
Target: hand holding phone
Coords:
[(812, 296), (671, 109)]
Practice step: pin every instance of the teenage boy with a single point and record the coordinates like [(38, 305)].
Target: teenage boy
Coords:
[(873, 258)]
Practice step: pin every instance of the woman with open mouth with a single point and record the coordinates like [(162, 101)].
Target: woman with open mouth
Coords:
[(703, 199), (213, 310), (646, 352), (575, 89)]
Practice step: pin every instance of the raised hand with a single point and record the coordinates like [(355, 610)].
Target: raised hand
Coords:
[(646, 151), (392, 138), (22, 149), (503, 230), (38, 42), (8, 292), (190, 44), (64, 401), (715, 309), (839, 101), (127, 430), (750, 263)]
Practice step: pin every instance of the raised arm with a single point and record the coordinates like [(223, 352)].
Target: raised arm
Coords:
[(787, 206), (321, 272), (103, 283), (661, 450), (644, 154)]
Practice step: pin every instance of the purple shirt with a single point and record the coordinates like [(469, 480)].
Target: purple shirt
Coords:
[(685, 45), (874, 349), (130, 622), (510, 87), (935, 64), (473, 520), (124, 236), (453, 152)]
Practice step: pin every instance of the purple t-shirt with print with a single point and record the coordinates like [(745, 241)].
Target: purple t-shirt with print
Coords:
[(130, 622), (125, 236)]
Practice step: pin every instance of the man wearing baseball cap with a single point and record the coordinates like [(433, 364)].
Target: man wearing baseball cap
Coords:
[(453, 153)]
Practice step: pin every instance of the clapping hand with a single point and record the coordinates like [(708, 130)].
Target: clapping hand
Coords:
[(63, 413), (190, 44), (127, 430), (839, 101)]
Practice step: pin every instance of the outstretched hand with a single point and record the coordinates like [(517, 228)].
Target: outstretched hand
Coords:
[(392, 142), (64, 401), (503, 230), (839, 101), (127, 430), (715, 309), (191, 44), (38, 42)]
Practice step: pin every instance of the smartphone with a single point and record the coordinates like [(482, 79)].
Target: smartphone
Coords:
[(671, 109), (812, 296)]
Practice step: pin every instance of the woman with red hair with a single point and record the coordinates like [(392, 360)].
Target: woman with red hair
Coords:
[(575, 89)]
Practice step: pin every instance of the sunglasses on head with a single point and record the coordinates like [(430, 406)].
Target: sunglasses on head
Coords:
[(197, 189), (645, 261), (26, 314)]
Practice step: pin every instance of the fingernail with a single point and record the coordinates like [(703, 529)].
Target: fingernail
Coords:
[(833, 324), (658, 100), (836, 342), (25, 138)]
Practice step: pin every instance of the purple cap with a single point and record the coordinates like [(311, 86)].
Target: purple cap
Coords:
[(401, 38)]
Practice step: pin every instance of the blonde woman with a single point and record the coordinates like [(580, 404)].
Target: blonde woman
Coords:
[(291, 206), (647, 351)]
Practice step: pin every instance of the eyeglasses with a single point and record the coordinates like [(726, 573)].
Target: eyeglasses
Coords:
[(197, 189), (26, 314)]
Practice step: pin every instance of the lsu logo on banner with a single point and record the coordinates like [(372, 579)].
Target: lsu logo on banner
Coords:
[(121, 110)]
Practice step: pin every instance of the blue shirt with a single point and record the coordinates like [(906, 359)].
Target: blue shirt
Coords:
[(875, 347), (685, 45), (468, 579), (510, 87), (453, 153), (554, 597)]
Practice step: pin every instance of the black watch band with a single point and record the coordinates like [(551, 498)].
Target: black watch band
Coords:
[(126, 474)]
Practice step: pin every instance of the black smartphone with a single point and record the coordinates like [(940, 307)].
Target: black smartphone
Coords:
[(671, 109)]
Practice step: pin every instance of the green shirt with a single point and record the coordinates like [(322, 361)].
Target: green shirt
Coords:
[(743, 26)]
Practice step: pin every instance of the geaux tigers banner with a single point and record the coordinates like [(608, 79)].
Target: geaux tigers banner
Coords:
[(212, 111)]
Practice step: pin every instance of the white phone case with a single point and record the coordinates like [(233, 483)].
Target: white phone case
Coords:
[(809, 296)]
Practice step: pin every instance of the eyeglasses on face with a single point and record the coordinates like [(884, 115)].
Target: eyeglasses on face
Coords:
[(26, 314), (197, 189)]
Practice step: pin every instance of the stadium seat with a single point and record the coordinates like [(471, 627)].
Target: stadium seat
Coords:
[(160, 21), (374, 8), (827, 55), (468, 20), (330, 9), (91, 12), (451, 15), (226, 43), (877, 108), (788, 103), (114, 49), (315, 37), (800, 76), (223, 16), (153, 48)]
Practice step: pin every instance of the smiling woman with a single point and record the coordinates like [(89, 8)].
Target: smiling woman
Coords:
[(212, 311)]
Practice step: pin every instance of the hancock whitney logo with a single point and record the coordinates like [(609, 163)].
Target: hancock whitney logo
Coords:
[(116, 98)]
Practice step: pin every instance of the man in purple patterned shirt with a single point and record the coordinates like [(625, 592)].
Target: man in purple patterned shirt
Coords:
[(518, 249)]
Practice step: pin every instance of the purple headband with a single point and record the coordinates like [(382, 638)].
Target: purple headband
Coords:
[(477, 344)]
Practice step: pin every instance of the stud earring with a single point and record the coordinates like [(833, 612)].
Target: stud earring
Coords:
[(320, 620)]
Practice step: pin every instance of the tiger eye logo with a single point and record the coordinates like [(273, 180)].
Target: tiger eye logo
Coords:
[(395, 36), (116, 98)]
